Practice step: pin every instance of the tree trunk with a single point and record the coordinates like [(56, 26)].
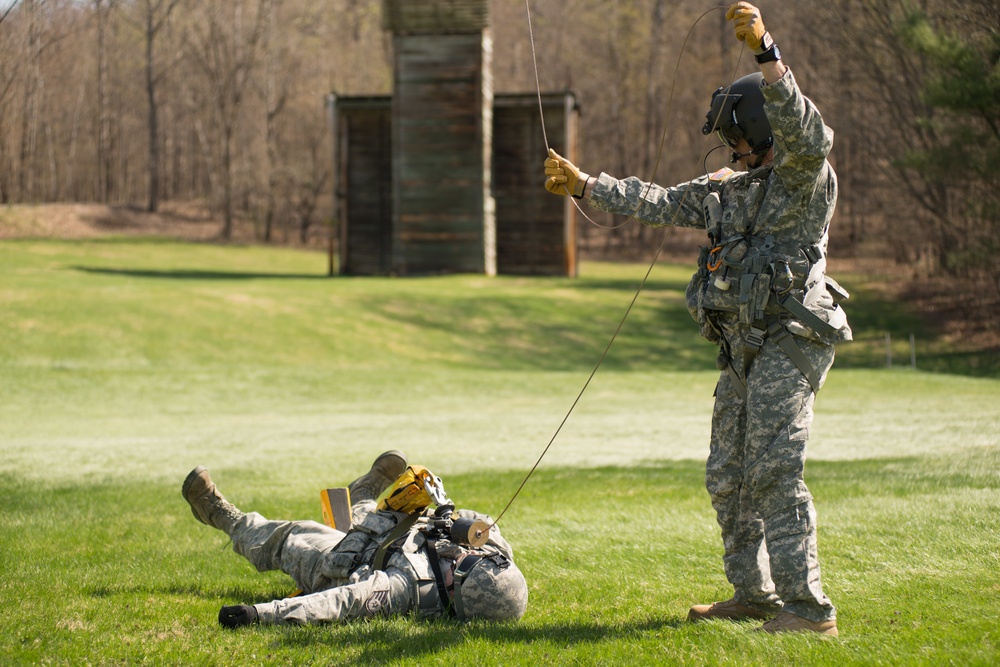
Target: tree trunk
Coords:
[(104, 120), (29, 122), (153, 202), (227, 184)]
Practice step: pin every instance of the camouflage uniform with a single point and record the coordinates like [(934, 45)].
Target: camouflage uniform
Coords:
[(765, 266), (334, 569)]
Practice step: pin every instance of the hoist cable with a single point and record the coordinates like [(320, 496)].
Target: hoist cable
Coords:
[(659, 249)]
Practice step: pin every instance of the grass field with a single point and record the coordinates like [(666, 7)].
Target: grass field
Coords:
[(127, 362)]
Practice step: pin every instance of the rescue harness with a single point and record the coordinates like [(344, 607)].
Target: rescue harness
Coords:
[(385, 532), (764, 283)]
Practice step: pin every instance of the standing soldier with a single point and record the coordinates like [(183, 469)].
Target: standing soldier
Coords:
[(397, 559), (762, 295)]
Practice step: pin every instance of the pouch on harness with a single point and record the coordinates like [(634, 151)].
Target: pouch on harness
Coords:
[(766, 284)]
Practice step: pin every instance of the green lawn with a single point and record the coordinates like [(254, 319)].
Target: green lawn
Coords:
[(125, 363)]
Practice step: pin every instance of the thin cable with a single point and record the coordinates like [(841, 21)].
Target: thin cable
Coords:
[(541, 114), (538, 85), (586, 384), (656, 255), (666, 117)]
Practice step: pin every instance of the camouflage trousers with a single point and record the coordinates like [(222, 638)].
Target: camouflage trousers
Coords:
[(301, 549), (297, 548), (754, 476)]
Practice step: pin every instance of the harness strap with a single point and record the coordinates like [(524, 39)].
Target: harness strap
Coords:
[(806, 316), (752, 343), (403, 527), (811, 253), (724, 362), (432, 556), (739, 386), (780, 335)]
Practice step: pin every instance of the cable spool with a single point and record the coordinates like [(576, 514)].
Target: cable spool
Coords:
[(470, 532)]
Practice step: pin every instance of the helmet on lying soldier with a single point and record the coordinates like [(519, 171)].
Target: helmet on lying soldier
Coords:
[(489, 586)]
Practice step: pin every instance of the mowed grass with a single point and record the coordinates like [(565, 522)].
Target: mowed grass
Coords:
[(126, 363)]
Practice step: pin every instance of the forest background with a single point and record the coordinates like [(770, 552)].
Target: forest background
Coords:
[(216, 109)]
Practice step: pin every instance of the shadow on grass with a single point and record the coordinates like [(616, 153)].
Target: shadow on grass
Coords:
[(192, 274), (930, 558), (390, 643), (387, 640), (231, 594)]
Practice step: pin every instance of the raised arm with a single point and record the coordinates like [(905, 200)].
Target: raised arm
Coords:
[(802, 140)]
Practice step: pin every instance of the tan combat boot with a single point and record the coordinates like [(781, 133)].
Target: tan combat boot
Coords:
[(730, 610), (787, 622), (207, 504), (386, 468)]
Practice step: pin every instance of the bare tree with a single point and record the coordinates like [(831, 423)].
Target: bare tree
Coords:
[(311, 180), (154, 16), (9, 66), (224, 49), (104, 158), (30, 103), (275, 96)]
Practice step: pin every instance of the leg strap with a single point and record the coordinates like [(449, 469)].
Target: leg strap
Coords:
[(725, 363), (739, 386), (780, 335), (752, 343), (754, 340)]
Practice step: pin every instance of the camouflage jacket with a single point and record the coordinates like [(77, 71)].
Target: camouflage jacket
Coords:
[(768, 227), (407, 585)]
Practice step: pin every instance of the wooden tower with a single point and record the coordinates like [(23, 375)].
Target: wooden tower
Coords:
[(442, 177)]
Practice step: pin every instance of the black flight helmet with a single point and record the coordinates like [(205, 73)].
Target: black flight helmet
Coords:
[(738, 111)]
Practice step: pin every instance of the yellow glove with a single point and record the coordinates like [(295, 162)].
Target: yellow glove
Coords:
[(562, 177), (749, 26)]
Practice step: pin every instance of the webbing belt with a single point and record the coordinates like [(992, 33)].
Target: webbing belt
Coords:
[(754, 340)]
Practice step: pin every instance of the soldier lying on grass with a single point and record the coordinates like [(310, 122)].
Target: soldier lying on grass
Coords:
[(388, 563)]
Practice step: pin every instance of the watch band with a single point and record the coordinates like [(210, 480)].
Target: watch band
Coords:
[(769, 56)]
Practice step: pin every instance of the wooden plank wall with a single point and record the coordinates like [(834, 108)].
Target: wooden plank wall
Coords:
[(438, 154), (437, 16), (536, 231), (364, 147)]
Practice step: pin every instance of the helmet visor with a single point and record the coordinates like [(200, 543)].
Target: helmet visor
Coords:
[(730, 135), (721, 117)]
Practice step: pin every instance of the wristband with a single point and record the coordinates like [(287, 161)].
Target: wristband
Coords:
[(769, 56), (766, 42)]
